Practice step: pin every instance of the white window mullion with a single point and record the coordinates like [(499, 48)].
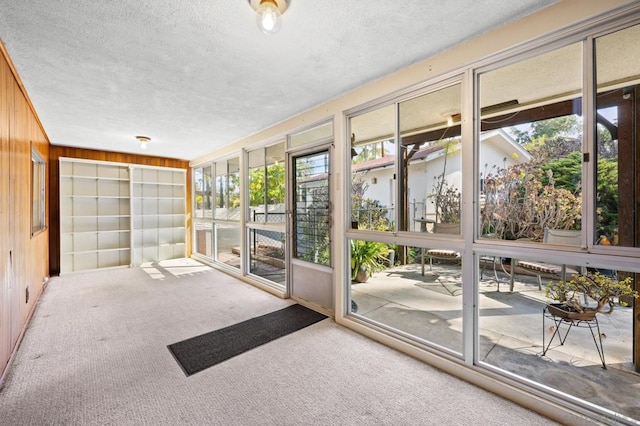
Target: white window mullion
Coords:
[(244, 196), (468, 217), (588, 144)]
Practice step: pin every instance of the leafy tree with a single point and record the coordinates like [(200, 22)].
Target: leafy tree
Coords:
[(275, 190), (566, 172), (558, 127), (275, 184), (607, 147), (234, 190), (369, 152), (551, 138), (607, 197)]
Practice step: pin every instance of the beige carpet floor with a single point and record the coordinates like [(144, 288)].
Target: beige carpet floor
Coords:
[(95, 353)]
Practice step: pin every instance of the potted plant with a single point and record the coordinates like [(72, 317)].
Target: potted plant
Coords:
[(446, 200), (367, 257), (572, 296)]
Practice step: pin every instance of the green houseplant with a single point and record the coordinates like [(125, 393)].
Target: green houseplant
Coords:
[(602, 289), (367, 257)]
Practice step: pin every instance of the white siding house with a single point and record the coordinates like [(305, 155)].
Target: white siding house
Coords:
[(498, 150)]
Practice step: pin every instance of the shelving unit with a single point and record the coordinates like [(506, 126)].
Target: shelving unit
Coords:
[(159, 206), (95, 215), (114, 215)]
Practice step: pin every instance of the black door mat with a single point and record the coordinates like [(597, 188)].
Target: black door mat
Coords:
[(204, 351)]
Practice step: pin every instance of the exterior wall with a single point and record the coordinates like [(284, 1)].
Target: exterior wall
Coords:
[(54, 194), (496, 152), (24, 259)]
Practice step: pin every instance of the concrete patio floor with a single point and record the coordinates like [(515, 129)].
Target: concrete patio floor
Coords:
[(429, 307)]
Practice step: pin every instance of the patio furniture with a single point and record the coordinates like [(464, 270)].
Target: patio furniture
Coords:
[(551, 236), (591, 323), (494, 260), (443, 254)]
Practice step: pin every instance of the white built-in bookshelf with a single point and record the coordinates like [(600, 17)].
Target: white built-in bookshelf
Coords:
[(159, 214), (114, 214)]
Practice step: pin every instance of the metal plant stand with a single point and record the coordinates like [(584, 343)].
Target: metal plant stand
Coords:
[(591, 324)]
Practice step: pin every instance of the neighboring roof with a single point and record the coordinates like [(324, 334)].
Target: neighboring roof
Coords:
[(498, 137)]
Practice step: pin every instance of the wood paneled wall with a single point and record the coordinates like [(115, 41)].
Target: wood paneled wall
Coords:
[(24, 259), (57, 152)]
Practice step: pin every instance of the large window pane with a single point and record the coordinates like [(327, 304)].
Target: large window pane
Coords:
[(203, 192), (227, 189), (203, 210), (618, 127), (228, 244), (431, 168), (267, 184), (520, 334), (531, 146), (373, 152), (257, 186), (421, 297), (275, 186)]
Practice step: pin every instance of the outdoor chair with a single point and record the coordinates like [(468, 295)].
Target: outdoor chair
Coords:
[(555, 271), (443, 254)]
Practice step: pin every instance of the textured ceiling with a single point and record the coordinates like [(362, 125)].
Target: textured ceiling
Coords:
[(197, 75)]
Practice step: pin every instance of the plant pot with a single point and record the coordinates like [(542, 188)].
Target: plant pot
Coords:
[(446, 228), (565, 312), (362, 276)]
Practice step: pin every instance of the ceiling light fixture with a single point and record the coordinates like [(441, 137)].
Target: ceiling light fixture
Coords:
[(269, 14), (144, 140)]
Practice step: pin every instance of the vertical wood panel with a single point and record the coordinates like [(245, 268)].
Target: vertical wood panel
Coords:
[(5, 319), (56, 152), (29, 266), (18, 239)]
